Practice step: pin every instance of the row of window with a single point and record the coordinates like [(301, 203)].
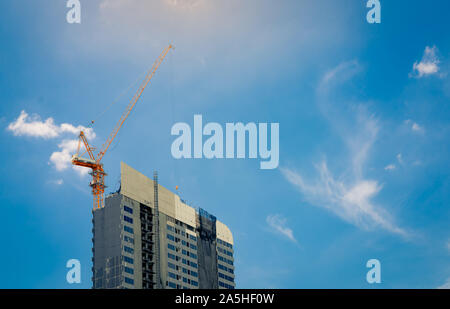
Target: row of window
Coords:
[(221, 258), (189, 263), (176, 239), (184, 261), (185, 252), (189, 272), (229, 253), (223, 276), (224, 243), (185, 280), (189, 281), (225, 285), (230, 270), (189, 245), (190, 254), (181, 224)]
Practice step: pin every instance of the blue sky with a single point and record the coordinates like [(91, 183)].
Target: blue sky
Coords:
[(364, 132)]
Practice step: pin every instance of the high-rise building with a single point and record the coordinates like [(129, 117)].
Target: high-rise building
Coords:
[(147, 237)]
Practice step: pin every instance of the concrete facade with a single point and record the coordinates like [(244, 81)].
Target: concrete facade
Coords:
[(190, 249)]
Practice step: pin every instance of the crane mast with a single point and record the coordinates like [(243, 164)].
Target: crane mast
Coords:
[(94, 163)]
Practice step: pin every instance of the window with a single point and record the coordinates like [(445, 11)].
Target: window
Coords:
[(170, 228), (193, 237), (129, 280), (171, 256), (194, 274), (172, 247), (129, 270), (194, 283), (172, 275), (128, 229), (194, 256), (194, 247), (128, 260), (128, 219), (170, 237), (172, 285), (128, 239), (193, 265), (128, 249), (128, 209), (171, 265)]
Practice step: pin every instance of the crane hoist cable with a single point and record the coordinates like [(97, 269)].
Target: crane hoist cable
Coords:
[(117, 99)]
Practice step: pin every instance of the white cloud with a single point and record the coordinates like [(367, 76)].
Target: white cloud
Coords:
[(62, 159), (390, 167), (429, 64), (279, 224), (33, 126)]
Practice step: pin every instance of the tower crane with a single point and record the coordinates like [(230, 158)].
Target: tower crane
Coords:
[(94, 162)]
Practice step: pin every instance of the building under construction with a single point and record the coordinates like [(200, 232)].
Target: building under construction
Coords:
[(147, 237)]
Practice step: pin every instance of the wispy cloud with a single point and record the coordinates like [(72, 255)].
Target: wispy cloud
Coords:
[(32, 126), (446, 285), (349, 195), (390, 167), (189, 4), (57, 182), (279, 224), (400, 158), (352, 202), (340, 74), (415, 127), (429, 64)]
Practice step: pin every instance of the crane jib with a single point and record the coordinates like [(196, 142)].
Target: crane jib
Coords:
[(98, 174)]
